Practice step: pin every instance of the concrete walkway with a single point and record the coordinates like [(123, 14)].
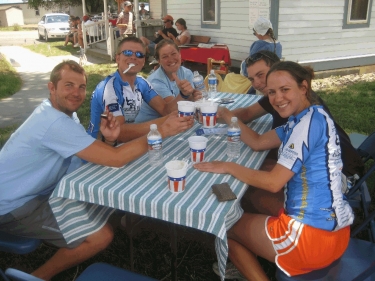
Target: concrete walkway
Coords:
[(34, 70)]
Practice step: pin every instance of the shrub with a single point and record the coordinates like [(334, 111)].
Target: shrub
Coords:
[(16, 27)]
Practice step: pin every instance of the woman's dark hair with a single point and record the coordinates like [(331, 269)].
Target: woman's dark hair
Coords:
[(272, 35), (163, 43), (299, 73), (182, 22)]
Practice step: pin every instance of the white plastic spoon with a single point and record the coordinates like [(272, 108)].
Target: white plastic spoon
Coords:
[(130, 66)]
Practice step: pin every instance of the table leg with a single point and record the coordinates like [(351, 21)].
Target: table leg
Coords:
[(173, 235)]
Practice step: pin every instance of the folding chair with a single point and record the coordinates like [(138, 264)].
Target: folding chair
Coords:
[(17, 245), (94, 272), (357, 263), (219, 66), (235, 83)]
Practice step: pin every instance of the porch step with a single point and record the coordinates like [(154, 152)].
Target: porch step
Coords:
[(98, 53), (100, 45)]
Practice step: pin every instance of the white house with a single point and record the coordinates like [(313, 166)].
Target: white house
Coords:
[(10, 15), (325, 34)]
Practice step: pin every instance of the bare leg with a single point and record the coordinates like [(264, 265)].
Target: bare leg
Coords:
[(65, 258), (247, 239)]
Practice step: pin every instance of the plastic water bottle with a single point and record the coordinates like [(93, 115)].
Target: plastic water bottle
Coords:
[(155, 152), (199, 83), (212, 83), (234, 139)]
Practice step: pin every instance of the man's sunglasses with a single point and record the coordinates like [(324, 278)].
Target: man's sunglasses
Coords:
[(254, 58), (129, 53)]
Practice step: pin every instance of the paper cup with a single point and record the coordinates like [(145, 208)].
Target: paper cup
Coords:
[(208, 111), (198, 113), (198, 146), (185, 108), (176, 171)]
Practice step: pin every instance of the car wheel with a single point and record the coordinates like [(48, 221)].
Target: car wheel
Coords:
[(40, 36), (46, 35)]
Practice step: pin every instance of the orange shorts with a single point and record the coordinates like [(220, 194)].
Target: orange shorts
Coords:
[(301, 248)]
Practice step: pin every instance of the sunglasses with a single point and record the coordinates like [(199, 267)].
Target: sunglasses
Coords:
[(166, 21), (129, 53), (250, 60)]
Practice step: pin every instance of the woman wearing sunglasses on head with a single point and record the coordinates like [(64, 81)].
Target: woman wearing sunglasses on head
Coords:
[(312, 230), (171, 81)]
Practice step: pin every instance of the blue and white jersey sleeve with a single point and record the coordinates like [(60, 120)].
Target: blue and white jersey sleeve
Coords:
[(146, 89), (311, 149)]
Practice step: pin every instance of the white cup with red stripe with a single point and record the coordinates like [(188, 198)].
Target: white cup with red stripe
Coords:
[(185, 108), (176, 171), (198, 145), (209, 111)]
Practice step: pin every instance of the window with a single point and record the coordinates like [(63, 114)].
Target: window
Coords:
[(210, 14), (37, 13), (357, 13)]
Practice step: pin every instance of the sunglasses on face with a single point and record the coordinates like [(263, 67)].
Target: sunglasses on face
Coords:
[(129, 53), (254, 58)]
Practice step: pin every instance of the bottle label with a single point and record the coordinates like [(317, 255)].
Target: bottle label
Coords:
[(154, 144), (234, 136), (198, 84), (212, 81)]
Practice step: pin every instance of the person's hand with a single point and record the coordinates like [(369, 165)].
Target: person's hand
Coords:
[(110, 127), (174, 124), (160, 32), (184, 85), (197, 95), (170, 35), (225, 114), (217, 167)]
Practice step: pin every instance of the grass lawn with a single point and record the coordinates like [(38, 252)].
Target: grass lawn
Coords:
[(351, 106), (10, 80)]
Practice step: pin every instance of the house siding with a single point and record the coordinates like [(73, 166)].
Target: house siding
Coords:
[(234, 19), (312, 30), (308, 30)]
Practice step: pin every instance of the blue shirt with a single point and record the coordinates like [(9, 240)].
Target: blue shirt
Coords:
[(165, 88), (311, 149), (120, 99), (37, 155)]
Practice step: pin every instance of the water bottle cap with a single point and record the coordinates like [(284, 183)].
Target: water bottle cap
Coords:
[(196, 73), (233, 119), (212, 71), (153, 127)]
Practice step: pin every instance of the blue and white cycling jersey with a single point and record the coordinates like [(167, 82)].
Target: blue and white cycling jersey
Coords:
[(311, 149), (120, 99)]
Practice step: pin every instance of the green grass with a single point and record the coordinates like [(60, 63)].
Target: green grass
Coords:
[(53, 48), (10, 80)]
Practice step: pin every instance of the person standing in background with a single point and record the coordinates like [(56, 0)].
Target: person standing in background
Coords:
[(125, 20)]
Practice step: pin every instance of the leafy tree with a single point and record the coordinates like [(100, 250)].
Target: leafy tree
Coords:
[(91, 5)]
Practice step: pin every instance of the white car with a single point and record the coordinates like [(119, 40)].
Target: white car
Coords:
[(53, 26)]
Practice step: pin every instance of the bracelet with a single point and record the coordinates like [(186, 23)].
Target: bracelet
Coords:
[(113, 143), (183, 96)]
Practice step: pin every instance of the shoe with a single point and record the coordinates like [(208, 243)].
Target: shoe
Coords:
[(76, 45), (231, 272), (154, 61)]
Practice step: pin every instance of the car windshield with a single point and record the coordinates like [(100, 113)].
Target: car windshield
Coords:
[(57, 18)]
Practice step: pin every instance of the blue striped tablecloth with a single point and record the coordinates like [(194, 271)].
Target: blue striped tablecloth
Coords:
[(137, 187)]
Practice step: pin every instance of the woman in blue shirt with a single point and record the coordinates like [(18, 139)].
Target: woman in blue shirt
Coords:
[(312, 230)]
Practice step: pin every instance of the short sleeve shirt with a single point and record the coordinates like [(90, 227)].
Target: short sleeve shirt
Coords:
[(165, 88), (311, 149), (120, 98), (165, 31), (37, 155)]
